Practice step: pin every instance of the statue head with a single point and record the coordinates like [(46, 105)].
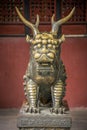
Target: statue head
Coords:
[(45, 45)]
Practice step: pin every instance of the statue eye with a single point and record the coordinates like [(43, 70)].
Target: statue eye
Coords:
[(49, 45), (37, 46)]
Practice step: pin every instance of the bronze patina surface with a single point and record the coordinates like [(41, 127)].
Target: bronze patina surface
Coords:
[(44, 81)]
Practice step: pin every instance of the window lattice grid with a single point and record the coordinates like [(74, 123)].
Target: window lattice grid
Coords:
[(80, 10), (7, 11), (45, 9)]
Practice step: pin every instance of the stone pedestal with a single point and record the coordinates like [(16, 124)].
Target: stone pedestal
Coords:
[(43, 121)]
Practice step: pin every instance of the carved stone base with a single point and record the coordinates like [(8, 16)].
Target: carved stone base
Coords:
[(43, 121)]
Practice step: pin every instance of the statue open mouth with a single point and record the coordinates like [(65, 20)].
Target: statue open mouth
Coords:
[(45, 64)]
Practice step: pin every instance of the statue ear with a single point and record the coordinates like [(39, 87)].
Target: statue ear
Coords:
[(28, 39), (62, 39)]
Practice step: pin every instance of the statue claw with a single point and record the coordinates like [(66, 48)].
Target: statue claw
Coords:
[(33, 110), (59, 110)]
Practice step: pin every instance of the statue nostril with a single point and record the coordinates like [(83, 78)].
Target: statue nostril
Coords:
[(37, 55), (50, 55)]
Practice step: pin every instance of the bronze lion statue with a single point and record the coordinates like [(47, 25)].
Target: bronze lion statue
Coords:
[(44, 81)]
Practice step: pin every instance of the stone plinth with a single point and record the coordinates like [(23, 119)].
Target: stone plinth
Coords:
[(43, 121)]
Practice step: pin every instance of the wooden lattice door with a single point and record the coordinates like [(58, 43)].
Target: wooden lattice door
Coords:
[(11, 25), (78, 23), (45, 9)]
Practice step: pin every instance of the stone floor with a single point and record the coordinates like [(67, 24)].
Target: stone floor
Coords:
[(8, 119)]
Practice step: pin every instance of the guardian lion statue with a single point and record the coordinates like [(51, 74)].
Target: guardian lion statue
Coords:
[(44, 81)]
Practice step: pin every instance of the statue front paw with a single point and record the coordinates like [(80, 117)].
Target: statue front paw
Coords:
[(33, 110), (58, 110)]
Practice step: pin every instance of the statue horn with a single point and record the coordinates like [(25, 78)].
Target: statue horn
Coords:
[(33, 27), (55, 25)]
